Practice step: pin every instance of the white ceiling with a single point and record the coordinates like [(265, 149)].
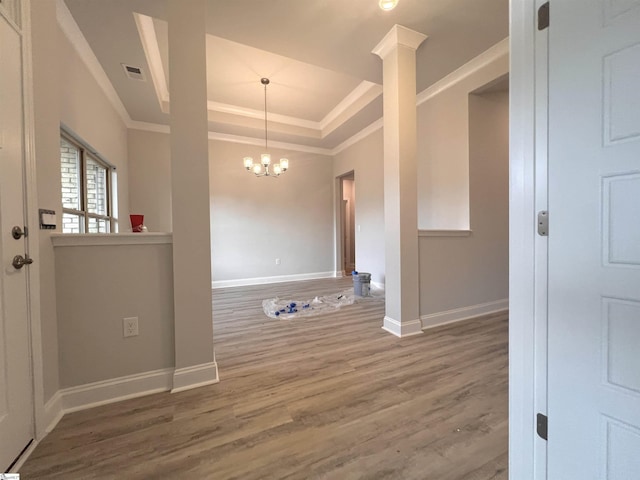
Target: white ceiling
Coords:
[(326, 83)]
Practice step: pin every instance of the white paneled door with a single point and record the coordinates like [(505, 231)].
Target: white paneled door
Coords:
[(594, 240), (16, 398)]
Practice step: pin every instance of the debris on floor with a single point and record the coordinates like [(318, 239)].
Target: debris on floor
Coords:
[(290, 308)]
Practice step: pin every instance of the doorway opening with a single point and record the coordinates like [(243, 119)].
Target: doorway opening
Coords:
[(347, 224)]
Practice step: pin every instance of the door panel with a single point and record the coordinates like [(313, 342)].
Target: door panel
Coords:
[(16, 398), (594, 240)]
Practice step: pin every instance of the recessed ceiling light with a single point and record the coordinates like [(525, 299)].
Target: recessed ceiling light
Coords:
[(387, 5)]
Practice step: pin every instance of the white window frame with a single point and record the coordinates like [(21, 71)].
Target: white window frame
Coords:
[(85, 153)]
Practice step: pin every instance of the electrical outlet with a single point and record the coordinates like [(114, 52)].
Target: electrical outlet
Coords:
[(130, 326), (277, 261)]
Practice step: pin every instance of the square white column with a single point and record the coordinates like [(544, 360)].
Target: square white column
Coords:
[(194, 355), (398, 53)]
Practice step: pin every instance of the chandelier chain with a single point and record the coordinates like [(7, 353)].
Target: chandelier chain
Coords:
[(265, 116)]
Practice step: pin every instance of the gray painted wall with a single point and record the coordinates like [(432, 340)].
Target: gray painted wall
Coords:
[(256, 220), (253, 220), (464, 271), (66, 93), (150, 179), (365, 160), (443, 151), (98, 286)]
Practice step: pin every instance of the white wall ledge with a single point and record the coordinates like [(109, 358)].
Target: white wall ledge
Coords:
[(109, 239), (444, 233)]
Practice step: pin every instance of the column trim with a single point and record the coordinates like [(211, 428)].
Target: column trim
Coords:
[(402, 329), (399, 35)]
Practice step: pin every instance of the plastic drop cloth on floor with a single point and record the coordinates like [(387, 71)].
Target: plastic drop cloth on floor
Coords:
[(282, 308)]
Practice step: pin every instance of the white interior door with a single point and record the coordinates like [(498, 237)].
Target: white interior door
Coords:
[(16, 398), (594, 240)]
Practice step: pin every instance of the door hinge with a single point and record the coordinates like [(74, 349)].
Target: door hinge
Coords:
[(543, 16), (543, 223), (541, 426)]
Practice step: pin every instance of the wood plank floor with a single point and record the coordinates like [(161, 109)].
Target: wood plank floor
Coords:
[(329, 397)]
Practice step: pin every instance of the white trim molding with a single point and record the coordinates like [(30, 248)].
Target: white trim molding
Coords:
[(195, 376), (149, 41), (365, 93), (399, 36), (73, 33), (227, 137), (351, 104), (465, 313), (490, 55), (150, 127), (25, 455), (444, 233), (107, 239), (243, 282), (53, 412), (527, 106), (362, 134), (114, 390), (402, 329), (90, 395)]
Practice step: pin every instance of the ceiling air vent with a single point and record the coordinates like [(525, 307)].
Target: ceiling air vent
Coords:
[(134, 73)]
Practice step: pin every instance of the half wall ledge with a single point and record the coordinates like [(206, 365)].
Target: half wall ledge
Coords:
[(103, 239)]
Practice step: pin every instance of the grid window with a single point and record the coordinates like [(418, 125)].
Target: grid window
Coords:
[(87, 200)]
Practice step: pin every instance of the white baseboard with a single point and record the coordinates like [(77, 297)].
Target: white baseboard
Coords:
[(402, 329), (115, 390), (193, 377), (24, 457), (53, 412), (94, 394), (379, 285), (242, 282), (464, 313)]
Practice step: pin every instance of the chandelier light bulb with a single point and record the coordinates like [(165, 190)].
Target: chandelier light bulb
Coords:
[(266, 159), (284, 164), (277, 169), (248, 163), (257, 169), (387, 5)]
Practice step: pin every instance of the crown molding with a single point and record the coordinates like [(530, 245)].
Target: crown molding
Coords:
[(362, 134), (499, 50), (490, 55), (226, 137), (364, 92), (150, 127), (355, 100), (398, 35), (149, 40), (475, 64), (361, 96), (73, 33), (259, 114)]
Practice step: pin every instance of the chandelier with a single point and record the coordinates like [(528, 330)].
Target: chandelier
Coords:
[(264, 167)]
